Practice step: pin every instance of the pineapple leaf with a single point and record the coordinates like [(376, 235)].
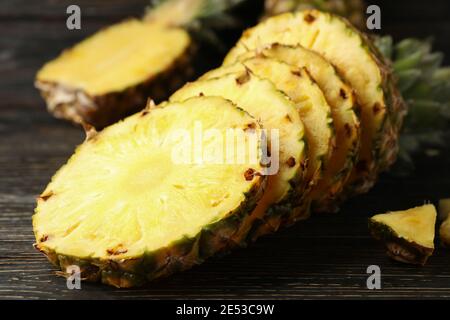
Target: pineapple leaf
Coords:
[(425, 86)]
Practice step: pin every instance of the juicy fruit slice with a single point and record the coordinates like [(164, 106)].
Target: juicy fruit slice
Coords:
[(279, 116), (408, 235), (142, 214), (382, 108), (111, 73), (311, 104), (343, 106)]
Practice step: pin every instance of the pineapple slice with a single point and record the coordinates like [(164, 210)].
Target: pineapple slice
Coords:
[(444, 216), (353, 10), (343, 105), (382, 109), (126, 210), (110, 74), (279, 116), (408, 235), (311, 104)]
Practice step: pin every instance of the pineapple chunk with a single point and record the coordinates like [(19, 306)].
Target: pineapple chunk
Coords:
[(408, 235), (84, 82), (382, 108), (343, 105), (277, 113), (310, 102), (125, 210)]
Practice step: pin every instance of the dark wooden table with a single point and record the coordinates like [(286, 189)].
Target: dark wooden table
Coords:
[(325, 257)]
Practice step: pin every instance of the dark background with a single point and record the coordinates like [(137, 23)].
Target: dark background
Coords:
[(325, 257)]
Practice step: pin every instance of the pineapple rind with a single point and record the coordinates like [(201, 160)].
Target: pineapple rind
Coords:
[(130, 270)]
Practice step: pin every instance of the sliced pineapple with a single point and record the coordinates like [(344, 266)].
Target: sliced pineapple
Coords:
[(343, 109), (279, 116), (110, 74), (125, 208), (382, 108), (311, 104), (408, 234)]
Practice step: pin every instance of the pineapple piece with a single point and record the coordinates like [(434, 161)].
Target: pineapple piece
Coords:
[(444, 216), (110, 74), (360, 64), (343, 110), (353, 10), (125, 210), (277, 114), (312, 106), (408, 234)]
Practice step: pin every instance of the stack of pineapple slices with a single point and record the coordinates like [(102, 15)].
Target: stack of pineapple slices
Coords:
[(125, 212)]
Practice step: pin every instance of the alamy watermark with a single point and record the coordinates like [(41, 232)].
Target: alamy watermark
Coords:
[(201, 146), (374, 280), (73, 21), (73, 280), (374, 20)]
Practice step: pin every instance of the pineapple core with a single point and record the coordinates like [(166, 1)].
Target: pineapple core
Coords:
[(118, 57)]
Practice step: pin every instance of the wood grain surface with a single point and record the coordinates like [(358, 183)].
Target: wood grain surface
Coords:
[(325, 257)]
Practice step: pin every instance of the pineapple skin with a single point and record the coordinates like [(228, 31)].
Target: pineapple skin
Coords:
[(99, 111), (181, 255)]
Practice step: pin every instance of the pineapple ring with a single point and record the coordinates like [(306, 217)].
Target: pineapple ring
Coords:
[(123, 198)]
